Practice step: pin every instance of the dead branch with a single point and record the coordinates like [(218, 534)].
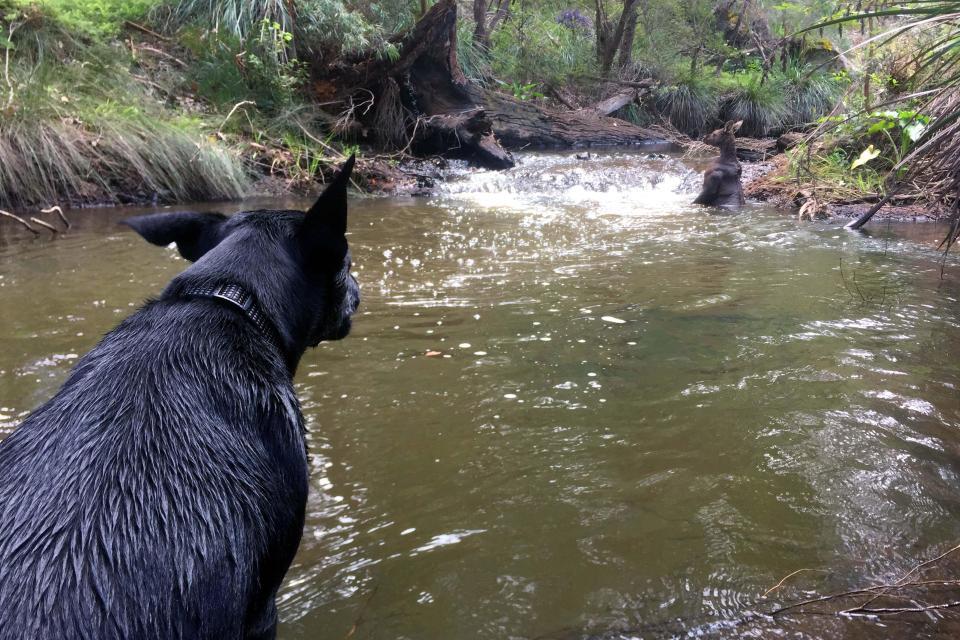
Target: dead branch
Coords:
[(60, 213), (232, 111), (45, 225), (896, 590), (26, 224), (162, 54), (143, 29), (785, 578)]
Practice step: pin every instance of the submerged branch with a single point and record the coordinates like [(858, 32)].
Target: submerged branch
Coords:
[(26, 224)]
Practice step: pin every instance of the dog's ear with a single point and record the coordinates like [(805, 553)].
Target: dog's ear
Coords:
[(326, 220), (194, 233)]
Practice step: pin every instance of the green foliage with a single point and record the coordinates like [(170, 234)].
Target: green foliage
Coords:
[(522, 91), (892, 133), (326, 27), (532, 47), (229, 70), (809, 94), (99, 19), (758, 102), (833, 174), (690, 105), (474, 59), (238, 17)]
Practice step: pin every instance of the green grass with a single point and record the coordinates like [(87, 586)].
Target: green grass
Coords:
[(690, 105), (759, 104), (116, 154), (99, 19), (809, 95), (78, 125)]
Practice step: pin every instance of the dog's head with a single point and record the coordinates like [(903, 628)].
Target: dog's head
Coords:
[(296, 263), (727, 132)]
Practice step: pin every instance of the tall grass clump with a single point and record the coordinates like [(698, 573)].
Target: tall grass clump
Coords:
[(690, 104), (115, 157), (323, 27), (238, 17), (758, 101), (808, 95), (64, 136)]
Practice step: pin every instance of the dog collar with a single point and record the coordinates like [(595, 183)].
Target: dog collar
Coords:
[(240, 298)]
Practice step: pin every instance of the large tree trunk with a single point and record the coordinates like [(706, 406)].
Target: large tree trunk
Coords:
[(422, 97), (610, 39), (423, 103)]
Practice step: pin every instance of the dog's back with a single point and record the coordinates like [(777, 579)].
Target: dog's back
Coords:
[(119, 497), (161, 492)]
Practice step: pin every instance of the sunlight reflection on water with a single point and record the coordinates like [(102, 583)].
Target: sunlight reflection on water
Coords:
[(574, 405)]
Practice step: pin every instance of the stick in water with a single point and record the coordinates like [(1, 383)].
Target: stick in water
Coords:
[(46, 225), (20, 220), (59, 213)]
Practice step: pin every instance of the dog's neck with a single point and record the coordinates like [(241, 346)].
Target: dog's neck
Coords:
[(243, 301)]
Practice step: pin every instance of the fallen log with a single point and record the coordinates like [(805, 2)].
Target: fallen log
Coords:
[(615, 102), (519, 125)]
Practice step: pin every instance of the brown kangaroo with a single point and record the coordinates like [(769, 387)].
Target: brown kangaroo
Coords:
[(721, 180)]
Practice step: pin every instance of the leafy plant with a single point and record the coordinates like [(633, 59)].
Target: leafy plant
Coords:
[(522, 91), (759, 104), (691, 105)]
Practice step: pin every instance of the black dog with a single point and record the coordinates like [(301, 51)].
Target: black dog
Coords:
[(721, 180), (161, 492)]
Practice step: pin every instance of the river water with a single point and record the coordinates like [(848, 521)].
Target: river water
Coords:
[(575, 406)]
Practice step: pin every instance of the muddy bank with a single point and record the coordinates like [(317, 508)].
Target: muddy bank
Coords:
[(771, 181)]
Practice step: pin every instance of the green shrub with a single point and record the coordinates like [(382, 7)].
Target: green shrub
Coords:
[(533, 47), (759, 103), (809, 95), (690, 104), (99, 19), (228, 70)]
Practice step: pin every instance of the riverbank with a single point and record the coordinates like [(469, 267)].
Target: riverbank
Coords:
[(776, 182)]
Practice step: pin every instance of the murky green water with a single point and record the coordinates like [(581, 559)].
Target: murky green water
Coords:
[(638, 417)]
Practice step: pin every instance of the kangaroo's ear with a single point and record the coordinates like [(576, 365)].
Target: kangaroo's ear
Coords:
[(194, 233), (733, 127)]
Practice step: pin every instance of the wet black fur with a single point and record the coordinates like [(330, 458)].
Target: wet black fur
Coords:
[(161, 492)]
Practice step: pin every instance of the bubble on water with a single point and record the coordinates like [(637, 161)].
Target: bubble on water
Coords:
[(613, 320), (509, 396), (479, 353), (464, 345)]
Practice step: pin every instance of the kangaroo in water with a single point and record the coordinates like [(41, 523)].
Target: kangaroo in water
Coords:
[(721, 180)]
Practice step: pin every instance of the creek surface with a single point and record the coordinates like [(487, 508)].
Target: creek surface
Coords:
[(636, 415)]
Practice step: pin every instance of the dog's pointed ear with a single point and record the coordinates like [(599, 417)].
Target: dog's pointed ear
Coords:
[(330, 209), (194, 233)]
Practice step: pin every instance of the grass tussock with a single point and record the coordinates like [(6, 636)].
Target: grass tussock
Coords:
[(116, 158), (691, 105), (759, 103)]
